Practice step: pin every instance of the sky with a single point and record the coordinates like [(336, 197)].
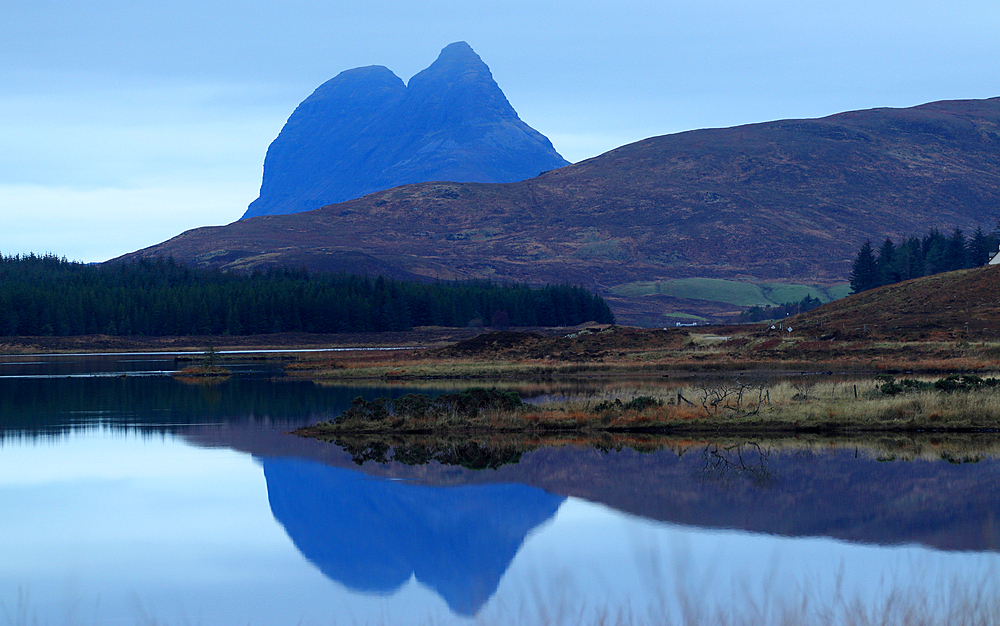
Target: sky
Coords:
[(125, 123)]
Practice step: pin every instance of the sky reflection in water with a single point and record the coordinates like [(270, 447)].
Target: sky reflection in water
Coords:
[(111, 525)]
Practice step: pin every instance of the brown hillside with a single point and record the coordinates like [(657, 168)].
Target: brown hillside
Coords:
[(953, 305), (786, 201)]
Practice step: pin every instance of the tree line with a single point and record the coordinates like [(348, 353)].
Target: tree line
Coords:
[(921, 256), (47, 295), (759, 313)]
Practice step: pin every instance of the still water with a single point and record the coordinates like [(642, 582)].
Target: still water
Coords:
[(144, 500)]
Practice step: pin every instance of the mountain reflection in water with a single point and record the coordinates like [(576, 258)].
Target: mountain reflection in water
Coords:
[(835, 490), (457, 530), (373, 535), (128, 489)]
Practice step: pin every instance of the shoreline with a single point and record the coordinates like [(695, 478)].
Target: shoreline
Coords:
[(733, 379)]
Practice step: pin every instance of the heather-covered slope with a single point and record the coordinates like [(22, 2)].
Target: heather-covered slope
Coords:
[(964, 303), (365, 131), (786, 201)]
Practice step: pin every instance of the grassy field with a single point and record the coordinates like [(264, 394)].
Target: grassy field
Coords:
[(732, 292)]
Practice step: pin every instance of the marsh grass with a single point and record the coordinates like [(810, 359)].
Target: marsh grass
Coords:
[(718, 405)]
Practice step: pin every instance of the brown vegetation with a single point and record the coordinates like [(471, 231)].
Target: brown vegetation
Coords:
[(620, 351), (955, 306)]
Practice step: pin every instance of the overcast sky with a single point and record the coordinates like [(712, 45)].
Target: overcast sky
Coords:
[(125, 123)]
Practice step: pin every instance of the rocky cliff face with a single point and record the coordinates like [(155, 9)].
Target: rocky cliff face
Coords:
[(365, 130)]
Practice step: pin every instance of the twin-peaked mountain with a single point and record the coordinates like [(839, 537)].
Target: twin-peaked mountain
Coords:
[(365, 131), (788, 201)]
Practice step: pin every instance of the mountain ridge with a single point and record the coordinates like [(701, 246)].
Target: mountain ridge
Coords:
[(784, 201), (365, 130)]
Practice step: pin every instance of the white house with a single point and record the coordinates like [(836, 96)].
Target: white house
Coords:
[(996, 259)]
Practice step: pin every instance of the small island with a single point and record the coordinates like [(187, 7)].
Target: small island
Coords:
[(206, 369)]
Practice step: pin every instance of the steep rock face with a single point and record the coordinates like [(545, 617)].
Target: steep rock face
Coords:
[(365, 131)]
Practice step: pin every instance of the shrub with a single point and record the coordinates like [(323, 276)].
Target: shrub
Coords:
[(467, 403), (953, 383), (642, 403)]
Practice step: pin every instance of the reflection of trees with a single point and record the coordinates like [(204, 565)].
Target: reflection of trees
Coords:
[(30, 405), (474, 455), (727, 462)]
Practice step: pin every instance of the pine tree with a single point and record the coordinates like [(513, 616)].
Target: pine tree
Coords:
[(955, 254), (864, 271), (980, 248), (886, 263), (935, 249)]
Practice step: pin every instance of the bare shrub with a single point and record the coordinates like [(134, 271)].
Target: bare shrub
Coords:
[(739, 398)]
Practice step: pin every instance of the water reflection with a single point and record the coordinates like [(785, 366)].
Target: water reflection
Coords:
[(373, 535), (198, 496), (804, 489), (51, 405), (370, 529)]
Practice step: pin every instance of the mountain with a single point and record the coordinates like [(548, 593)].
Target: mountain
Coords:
[(777, 202), (365, 131)]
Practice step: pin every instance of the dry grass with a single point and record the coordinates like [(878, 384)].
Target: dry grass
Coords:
[(737, 404), (622, 352)]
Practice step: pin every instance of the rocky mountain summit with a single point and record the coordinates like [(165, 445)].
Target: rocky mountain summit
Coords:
[(365, 131)]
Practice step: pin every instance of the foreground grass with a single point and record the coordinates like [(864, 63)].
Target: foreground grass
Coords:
[(952, 604)]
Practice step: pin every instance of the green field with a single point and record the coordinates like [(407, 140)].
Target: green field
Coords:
[(732, 292)]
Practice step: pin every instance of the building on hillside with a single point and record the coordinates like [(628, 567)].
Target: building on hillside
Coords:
[(996, 259)]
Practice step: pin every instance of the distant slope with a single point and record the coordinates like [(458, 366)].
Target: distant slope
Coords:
[(964, 303), (786, 201), (365, 131)]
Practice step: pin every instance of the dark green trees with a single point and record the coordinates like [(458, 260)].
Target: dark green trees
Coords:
[(921, 256), (981, 248), (864, 271), (50, 296)]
